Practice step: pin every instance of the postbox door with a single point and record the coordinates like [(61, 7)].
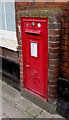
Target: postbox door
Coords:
[(35, 56)]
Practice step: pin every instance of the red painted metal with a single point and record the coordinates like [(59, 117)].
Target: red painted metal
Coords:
[(35, 54)]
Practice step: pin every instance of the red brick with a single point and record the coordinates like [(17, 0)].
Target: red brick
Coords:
[(66, 42), (42, 3), (65, 58), (52, 87), (8, 53), (63, 31), (53, 67), (21, 66), (65, 64), (22, 3), (65, 25), (63, 53), (55, 38), (53, 72), (20, 57), (65, 75), (52, 92), (54, 61), (54, 50), (67, 6), (62, 43), (52, 96), (21, 74), (65, 69), (53, 78), (53, 44), (54, 82), (66, 13), (52, 20), (53, 56), (67, 31), (65, 37), (20, 61), (54, 26), (63, 47), (54, 32), (21, 70)]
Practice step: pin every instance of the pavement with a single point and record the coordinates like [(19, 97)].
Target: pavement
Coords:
[(13, 105)]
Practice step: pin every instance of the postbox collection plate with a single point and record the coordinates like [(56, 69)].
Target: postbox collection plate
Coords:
[(35, 54), (33, 49)]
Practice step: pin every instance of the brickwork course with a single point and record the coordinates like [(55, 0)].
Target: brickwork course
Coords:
[(64, 55)]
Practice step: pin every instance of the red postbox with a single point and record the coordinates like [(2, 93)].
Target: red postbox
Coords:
[(35, 54)]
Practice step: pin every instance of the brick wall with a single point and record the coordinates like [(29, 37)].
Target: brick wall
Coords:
[(64, 55), (64, 6), (54, 26), (9, 54), (53, 44)]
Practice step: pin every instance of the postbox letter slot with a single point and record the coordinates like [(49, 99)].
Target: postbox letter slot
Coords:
[(33, 32)]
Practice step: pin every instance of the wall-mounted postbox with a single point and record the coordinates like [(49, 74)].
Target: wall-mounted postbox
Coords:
[(35, 54)]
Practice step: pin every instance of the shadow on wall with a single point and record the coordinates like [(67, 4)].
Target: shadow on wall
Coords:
[(11, 73), (63, 98)]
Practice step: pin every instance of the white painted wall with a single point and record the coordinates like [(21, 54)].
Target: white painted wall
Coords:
[(8, 37)]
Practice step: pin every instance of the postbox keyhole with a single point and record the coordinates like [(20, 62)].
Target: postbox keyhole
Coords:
[(33, 23), (27, 61), (27, 64)]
